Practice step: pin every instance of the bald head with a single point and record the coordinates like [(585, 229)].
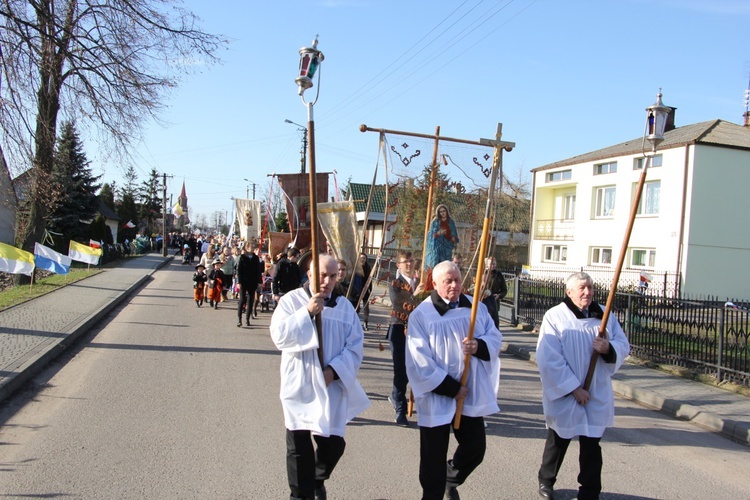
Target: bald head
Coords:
[(327, 277)]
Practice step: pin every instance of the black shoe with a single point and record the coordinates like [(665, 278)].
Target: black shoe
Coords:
[(546, 492), (320, 493), (239, 324), (255, 312), (210, 303), (402, 420), (216, 305), (451, 493)]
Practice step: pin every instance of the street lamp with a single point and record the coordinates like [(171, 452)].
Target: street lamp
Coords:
[(656, 122), (303, 152), (309, 60)]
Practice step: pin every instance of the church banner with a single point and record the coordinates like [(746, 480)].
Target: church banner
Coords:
[(248, 218), (339, 223)]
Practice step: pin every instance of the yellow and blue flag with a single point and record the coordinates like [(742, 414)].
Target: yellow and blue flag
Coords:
[(16, 261)]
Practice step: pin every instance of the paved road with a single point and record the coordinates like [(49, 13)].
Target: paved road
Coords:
[(164, 400)]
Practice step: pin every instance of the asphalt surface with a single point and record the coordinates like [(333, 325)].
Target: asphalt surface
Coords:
[(35, 332)]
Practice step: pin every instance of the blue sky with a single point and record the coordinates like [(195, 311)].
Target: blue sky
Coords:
[(563, 76)]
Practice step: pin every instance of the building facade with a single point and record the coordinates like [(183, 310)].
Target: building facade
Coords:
[(691, 219)]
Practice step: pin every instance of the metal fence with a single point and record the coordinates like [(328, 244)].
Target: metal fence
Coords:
[(663, 283), (704, 334)]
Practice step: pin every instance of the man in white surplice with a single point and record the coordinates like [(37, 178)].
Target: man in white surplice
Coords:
[(436, 344), (567, 338), (317, 402)]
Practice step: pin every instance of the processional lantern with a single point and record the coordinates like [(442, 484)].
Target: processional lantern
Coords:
[(309, 61), (656, 122)]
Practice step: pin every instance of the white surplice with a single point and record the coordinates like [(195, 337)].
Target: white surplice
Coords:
[(563, 354), (434, 350), (308, 404)]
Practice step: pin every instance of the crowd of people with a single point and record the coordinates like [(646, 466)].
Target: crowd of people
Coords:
[(229, 268)]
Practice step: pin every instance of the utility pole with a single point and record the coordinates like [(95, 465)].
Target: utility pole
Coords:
[(164, 218), (164, 215), (247, 190)]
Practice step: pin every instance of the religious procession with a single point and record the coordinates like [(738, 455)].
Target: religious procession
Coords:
[(444, 332)]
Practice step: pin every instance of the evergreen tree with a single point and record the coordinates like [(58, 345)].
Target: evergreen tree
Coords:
[(131, 182), (107, 194), (150, 202), (282, 223), (100, 231), (128, 211), (76, 205)]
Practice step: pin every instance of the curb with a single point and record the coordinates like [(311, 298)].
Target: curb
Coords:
[(36, 364), (738, 431)]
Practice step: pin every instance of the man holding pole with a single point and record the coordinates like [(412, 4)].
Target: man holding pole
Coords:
[(317, 400), (567, 338), (437, 344)]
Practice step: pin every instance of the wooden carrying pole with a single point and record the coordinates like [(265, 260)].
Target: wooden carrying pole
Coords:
[(497, 166), (618, 269), (315, 266)]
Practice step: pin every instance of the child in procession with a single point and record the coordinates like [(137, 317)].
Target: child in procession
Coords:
[(199, 282), (216, 280)]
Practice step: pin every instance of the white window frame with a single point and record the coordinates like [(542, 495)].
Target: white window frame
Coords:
[(601, 256), (601, 210), (649, 258), (605, 168), (656, 161), (569, 206), (560, 175), (650, 198), (555, 253)]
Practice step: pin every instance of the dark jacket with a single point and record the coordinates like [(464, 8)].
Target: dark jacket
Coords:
[(248, 270), (287, 277)]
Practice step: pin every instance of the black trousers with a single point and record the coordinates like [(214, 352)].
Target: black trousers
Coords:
[(306, 467), (247, 294), (589, 460), (400, 379), (491, 303), (434, 473)]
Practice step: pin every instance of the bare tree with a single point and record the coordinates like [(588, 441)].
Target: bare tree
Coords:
[(108, 64)]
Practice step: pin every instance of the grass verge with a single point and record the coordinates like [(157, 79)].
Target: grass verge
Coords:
[(22, 293)]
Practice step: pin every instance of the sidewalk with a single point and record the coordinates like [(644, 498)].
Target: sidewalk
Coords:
[(33, 333), (710, 407)]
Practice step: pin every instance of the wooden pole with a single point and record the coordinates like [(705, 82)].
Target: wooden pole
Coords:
[(315, 266), (497, 166), (618, 269)]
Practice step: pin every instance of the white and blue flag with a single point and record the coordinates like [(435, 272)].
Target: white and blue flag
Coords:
[(49, 260)]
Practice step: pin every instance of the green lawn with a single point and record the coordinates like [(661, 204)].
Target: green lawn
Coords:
[(22, 293)]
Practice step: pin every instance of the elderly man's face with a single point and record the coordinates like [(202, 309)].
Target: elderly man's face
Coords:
[(581, 294), (328, 276), (448, 285)]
